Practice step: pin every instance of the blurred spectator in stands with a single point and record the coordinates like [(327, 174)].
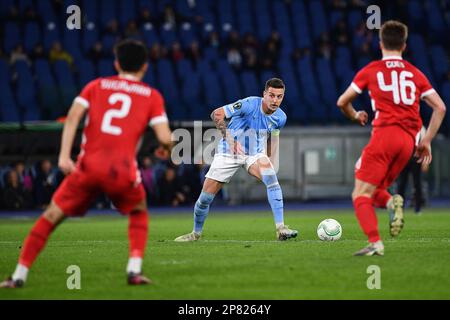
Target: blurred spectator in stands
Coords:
[(58, 5), (276, 40), (96, 52), (194, 53), (269, 56), (43, 183), (233, 40), (176, 53), (338, 4), (2, 54), (340, 33), (234, 58), (31, 15), (171, 17), (325, 50), (13, 14), (18, 54), (171, 189), (38, 52), (14, 196), (146, 170), (358, 4), (146, 17), (213, 40), (132, 31), (25, 178), (58, 53), (155, 52), (112, 28)]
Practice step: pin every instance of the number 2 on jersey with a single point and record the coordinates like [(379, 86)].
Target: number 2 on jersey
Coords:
[(121, 113), (398, 87)]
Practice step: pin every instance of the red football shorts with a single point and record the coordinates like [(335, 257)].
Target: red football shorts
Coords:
[(79, 189), (385, 156)]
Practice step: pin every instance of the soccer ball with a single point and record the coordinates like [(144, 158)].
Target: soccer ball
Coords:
[(329, 230)]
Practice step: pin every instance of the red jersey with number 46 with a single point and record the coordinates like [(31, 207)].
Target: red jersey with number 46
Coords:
[(395, 88), (119, 111)]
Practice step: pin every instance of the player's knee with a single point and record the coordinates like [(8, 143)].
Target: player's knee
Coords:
[(53, 215), (205, 199), (269, 177)]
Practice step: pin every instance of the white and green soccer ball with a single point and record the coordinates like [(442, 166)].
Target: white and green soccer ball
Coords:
[(329, 230)]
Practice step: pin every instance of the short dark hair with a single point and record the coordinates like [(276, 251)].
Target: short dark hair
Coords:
[(393, 35), (131, 55), (274, 83)]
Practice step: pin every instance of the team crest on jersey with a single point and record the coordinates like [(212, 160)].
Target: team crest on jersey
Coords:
[(237, 105)]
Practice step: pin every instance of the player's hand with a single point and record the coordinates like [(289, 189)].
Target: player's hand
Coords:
[(66, 165), (423, 153), (361, 117), (236, 148)]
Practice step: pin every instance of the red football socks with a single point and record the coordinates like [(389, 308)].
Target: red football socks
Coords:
[(137, 233), (380, 198), (367, 217), (35, 242)]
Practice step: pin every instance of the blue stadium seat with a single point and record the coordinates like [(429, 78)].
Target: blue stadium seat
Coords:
[(106, 68), (415, 13), (191, 96), (213, 91), (24, 4), (127, 9), (72, 43), (249, 83), (263, 26), (211, 54), (355, 17), (439, 61), (291, 104), (46, 11), (12, 36), (9, 112), (149, 77), (328, 87), (229, 80), (26, 92), (108, 42), (147, 4), (48, 91), (50, 35), (90, 37), (108, 11), (436, 20), (183, 8), (67, 86), (419, 54), (90, 11), (187, 34), (5, 6), (310, 91), (86, 71), (168, 84), (319, 22), (168, 35), (301, 25), (245, 21), (149, 34)]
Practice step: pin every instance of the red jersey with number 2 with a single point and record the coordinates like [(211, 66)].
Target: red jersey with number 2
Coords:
[(119, 111), (395, 88)]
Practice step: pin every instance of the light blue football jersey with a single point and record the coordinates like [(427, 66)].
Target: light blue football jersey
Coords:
[(250, 125)]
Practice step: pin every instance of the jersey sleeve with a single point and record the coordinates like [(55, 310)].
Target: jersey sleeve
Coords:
[(424, 85), (240, 107), (85, 96), (157, 109), (281, 123), (360, 81)]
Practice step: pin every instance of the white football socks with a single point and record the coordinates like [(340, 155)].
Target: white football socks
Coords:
[(21, 273), (134, 265)]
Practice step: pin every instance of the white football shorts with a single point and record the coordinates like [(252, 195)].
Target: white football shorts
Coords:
[(224, 166)]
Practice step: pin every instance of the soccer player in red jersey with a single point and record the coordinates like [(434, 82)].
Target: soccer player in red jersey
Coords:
[(119, 109), (395, 88)]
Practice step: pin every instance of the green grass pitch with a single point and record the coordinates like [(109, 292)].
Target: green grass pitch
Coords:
[(238, 258)]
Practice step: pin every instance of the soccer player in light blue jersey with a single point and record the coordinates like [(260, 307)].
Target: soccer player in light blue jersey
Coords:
[(250, 128)]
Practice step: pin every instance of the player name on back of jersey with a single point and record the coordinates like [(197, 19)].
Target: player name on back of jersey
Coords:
[(395, 64), (123, 85)]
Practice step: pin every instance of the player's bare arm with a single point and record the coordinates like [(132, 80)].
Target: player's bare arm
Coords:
[(219, 118), (273, 143), (76, 113), (345, 104), (423, 151), (163, 134)]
